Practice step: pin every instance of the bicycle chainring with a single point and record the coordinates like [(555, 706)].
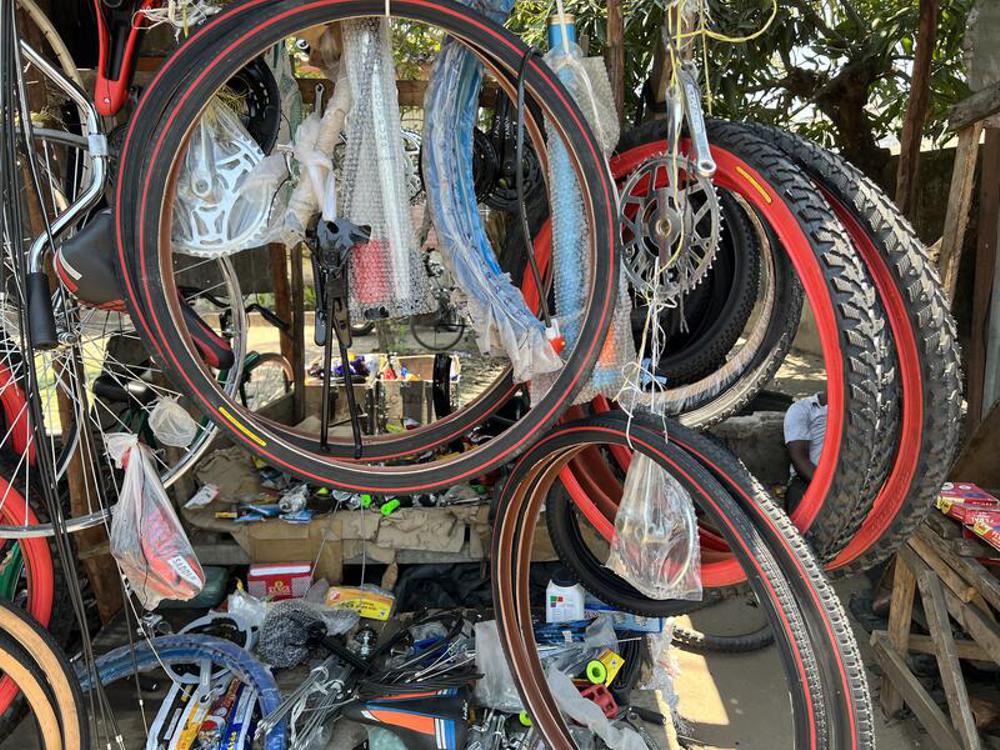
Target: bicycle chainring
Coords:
[(667, 211)]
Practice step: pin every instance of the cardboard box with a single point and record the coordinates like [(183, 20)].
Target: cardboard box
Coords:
[(276, 581), (275, 541), (988, 532), (967, 503)]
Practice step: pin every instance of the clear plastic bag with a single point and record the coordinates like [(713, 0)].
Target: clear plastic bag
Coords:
[(224, 199), (171, 423), (496, 688), (655, 547), (147, 538), (588, 714)]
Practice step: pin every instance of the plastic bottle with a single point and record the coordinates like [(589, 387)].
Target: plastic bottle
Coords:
[(563, 598)]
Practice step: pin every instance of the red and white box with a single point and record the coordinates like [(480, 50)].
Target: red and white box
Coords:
[(968, 503), (279, 580), (988, 532)]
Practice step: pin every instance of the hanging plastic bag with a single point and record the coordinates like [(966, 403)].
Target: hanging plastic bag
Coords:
[(171, 424), (147, 539), (224, 199), (655, 547)]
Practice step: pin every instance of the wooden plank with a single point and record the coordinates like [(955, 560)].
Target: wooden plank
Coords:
[(974, 571), (977, 107), (298, 360), (965, 649), (959, 586), (916, 108), (411, 93), (932, 594), (900, 615), (956, 219), (614, 55), (983, 631), (928, 713), (980, 356)]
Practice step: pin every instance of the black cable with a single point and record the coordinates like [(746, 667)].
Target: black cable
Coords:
[(522, 208)]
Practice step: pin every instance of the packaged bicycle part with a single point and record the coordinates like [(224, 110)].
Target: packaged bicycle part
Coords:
[(496, 688), (501, 318), (387, 274), (656, 547), (223, 200), (570, 238), (147, 538), (171, 424)]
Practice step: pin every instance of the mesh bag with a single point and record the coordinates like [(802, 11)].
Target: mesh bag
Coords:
[(387, 274)]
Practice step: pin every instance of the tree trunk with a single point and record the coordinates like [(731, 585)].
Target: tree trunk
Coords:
[(916, 108), (614, 56)]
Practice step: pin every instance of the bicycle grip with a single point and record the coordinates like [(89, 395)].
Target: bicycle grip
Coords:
[(41, 318)]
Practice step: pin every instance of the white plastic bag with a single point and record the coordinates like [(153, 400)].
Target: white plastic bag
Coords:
[(655, 547), (147, 539), (171, 423)]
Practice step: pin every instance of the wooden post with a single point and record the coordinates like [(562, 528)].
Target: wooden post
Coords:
[(956, 220), (900, 614), (614, 56), (298, 359), (980, 395), (916, 108)]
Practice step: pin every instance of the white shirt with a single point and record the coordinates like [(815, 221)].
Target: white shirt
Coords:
[(806, 420)]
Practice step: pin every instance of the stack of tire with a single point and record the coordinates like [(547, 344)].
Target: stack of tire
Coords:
[(888, 342)]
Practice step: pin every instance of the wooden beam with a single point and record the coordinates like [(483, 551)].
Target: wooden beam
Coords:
[(298, 360), (900, 614), (916, 108), (983, 631), (956, 219), (928, 713), (932, 593), (964, 590), (977, 107), (974, 571), (614, 55), (966, 649), (977, 461), (981, 391), (282, 297)]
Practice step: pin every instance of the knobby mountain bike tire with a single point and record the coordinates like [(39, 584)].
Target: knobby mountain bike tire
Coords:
[(829, 693), (853, 334), (157, 134), (60, 680), (925, 340)]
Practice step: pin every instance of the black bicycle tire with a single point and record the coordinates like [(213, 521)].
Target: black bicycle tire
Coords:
[(842, 671), (10, 649), (689, 639), (436, 348), (180, 91), (928, 311)]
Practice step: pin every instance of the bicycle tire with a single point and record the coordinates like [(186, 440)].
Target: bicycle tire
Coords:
[(178, 90), (257, 360), (180, 649), (847, 712), (926, 340), (60, 677), (21, 669), (699, 641), (437, 347)]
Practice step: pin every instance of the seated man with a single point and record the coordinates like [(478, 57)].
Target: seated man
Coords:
[(805, 429)]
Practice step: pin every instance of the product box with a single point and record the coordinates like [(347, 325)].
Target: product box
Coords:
[(988, 532), (622, 620), (279, 580), (967, 503), (370, 602)]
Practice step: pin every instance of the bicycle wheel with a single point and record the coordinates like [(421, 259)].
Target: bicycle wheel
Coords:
[(441, 332), (100, 379), (32, 651), (827, 688), (159, 133), (924, 333), (266, 378)]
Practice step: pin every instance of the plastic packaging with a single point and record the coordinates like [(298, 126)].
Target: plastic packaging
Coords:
[(570, 237), (218, 211), (286, 630), (387, 273), (588, 714), (496, 688), (655, 547), (171, 423), (147, 538), (497, 310)]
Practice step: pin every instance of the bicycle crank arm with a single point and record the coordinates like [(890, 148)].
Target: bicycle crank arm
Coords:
[(704, 162)]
